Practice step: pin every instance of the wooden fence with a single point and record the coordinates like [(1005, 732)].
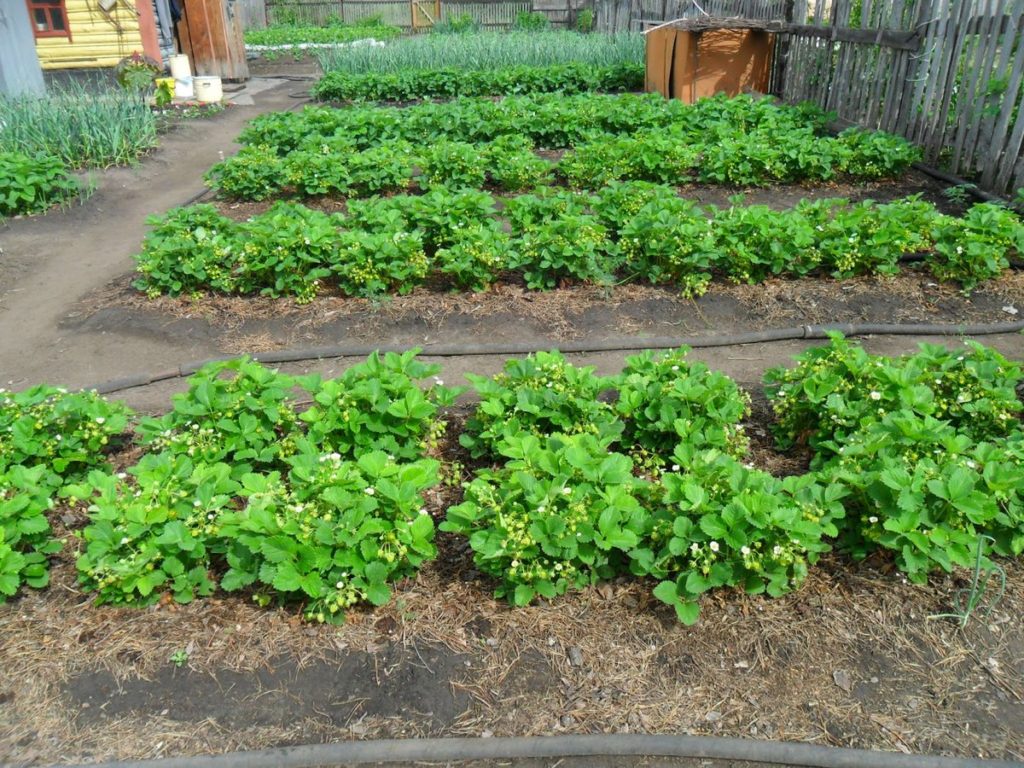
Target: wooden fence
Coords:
[(490, 14), (946, 74)]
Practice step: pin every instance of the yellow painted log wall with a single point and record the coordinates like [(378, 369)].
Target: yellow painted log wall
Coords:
[(96, 41)]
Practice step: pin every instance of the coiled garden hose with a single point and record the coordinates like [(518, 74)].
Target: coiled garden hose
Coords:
[(606, 345), (344, 753)]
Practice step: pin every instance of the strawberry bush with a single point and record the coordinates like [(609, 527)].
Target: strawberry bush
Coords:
[(632, 230), (561, 513), (316, 494)]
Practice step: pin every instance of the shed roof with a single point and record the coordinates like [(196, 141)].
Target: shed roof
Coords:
[(710, 22)]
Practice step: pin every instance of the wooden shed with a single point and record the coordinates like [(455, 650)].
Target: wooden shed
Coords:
[(693, 58)]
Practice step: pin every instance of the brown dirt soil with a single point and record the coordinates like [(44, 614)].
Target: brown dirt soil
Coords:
[(857, 657), (510, 312)]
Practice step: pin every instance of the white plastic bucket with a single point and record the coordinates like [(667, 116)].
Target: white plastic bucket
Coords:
[(183, 88), (208, 89), (180, 69)]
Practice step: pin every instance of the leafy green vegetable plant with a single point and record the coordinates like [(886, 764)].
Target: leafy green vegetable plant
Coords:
[(156, 534), (26, 540), (29, 184), (666, 400), (65, 433), (838, 388), (255, 173), (975, 247), (337, 538), (722, 524), (929, 492), (237, 412), (540, 394), (379, 405), (561, 514)]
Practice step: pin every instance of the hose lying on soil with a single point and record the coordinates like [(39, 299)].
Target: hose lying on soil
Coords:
[(605, 345), (593, 745)]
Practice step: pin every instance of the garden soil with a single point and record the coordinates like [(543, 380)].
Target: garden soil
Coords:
[(857, 657)]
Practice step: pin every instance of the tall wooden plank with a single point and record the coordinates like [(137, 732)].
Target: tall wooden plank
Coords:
[(956, 45), (883, 66), (1012, 150), (1002, 128), (974, 99), (1001, 68), (926, 67)]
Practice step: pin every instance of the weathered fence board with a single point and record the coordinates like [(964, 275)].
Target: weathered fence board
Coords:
[(947, 74)]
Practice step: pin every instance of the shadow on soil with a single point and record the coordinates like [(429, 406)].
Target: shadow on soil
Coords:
[(411, 683)]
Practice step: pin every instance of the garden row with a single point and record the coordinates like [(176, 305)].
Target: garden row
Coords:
[(760, 133), (451, 82), (485, 51), (627, 231), (295, 35), (509, 164), (240, 489)]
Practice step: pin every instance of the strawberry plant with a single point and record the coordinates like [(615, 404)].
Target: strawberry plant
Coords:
[(561, 514), (873, 154), (189, 249), (337, 537), (65, 433), (454, 164), (31, 184), (387, 168), (618, 202), (312, 173), (476, 257), (378, 405), (237, 412), (156, 534), (540, 394), (658, 157), (569, 248), (441, 215), (513, 166), (287, 251), (530, 212), (666, 399), (255, 173), (669, 241), (721, 524), (930, 493), (374, 264), (26, 540), (837, 389), (975, 247)]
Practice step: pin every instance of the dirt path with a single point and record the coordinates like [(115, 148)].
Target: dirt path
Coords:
[(48, 262)]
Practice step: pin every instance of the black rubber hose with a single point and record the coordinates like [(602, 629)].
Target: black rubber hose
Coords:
[(619, 745), (970, 187), (606, 345)]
